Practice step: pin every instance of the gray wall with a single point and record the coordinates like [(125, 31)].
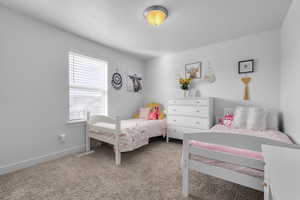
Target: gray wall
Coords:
[(161, 73), (290, 82), (34, 89)]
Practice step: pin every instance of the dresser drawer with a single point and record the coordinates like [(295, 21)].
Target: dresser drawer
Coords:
[(188, 110), (175, 132), (178, 132), (200, 123), (193, 102)]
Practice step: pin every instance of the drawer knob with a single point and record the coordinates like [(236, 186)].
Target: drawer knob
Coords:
[(197, 111), (174, 109), (197, 122), (174, 120)]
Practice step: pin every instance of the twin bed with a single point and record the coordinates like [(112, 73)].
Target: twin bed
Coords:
[(124, 135), (230, 154)]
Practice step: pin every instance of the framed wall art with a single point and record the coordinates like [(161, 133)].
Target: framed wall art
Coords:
[(193, 70), (116, 81), (246, 66), (134, 83)]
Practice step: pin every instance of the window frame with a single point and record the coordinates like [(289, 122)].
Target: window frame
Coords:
[(72, 52)]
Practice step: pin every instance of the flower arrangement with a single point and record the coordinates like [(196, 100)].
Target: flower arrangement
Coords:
[(185, 83)]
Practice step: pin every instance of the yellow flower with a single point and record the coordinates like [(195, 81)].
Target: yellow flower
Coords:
[(185, 81)]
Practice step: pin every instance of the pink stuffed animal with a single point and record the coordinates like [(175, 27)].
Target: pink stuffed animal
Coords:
[(154, 113), (227, 120)]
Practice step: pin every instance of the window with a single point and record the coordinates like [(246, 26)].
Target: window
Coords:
[(87, 86)]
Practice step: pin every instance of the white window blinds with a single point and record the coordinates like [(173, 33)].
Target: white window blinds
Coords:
[(88, 86)]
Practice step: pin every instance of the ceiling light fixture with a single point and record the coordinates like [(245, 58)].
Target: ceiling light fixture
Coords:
[(156, 15)]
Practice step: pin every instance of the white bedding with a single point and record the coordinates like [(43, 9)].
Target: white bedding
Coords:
[(134, 132)]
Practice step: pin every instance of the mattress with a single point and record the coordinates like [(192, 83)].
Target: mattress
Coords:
[(134, 132), (269, 134)]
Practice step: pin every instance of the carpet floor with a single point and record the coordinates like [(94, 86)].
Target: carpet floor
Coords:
[(149, 173)]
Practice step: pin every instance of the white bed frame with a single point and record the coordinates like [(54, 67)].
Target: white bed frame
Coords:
[(117, 131), (231, 140)]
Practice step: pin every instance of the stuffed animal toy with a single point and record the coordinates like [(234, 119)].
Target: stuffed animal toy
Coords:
[(154, 113), (151, 105), (227, 120)]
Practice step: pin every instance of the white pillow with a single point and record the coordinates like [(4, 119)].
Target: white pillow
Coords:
[(272, 119), (257, 119), (240, 117), (144, 113)]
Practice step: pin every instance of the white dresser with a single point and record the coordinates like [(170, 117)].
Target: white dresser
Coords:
[(188, 116)]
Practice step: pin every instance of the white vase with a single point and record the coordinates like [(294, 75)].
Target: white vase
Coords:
[(185, 93)]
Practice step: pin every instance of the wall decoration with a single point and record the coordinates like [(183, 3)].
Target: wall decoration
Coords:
[(246, 66), (134, 83), (246, 81), (210, 76), (116, 81), (193, 70)]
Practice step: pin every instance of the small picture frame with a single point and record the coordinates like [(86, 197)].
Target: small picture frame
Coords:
[(246, 66), (193, 70), (134, 83)]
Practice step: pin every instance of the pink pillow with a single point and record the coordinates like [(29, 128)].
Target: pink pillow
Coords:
[(144, 113)]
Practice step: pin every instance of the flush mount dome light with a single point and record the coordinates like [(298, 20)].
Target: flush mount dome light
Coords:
[(156, 15)]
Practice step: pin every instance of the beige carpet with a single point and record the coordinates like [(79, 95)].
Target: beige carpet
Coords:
[(151, 172)]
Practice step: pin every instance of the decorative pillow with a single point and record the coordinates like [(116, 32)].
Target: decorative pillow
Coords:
[(257, 119), (272, 119), (152, 105), (162, 115), (136, 115), (240, 117), (144, 113)]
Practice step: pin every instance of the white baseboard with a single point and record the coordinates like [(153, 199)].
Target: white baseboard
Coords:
[(40, 159)]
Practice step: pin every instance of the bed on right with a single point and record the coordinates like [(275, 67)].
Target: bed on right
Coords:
[(232, 154)]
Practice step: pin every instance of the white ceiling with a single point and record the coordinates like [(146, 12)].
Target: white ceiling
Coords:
[(191, 23)]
